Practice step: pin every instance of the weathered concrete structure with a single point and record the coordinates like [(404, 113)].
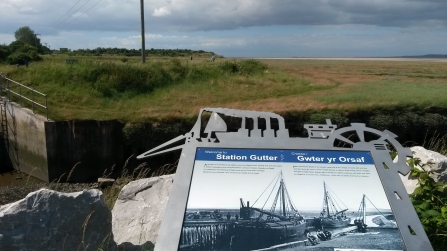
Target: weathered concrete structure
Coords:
[(25, 142), (49, 150)]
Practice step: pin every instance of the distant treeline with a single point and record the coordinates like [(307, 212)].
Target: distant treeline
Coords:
[(134, 52)]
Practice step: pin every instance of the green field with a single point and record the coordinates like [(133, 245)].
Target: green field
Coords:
[(113, 87)]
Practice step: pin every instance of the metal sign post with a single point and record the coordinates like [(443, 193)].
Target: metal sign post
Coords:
[(255, 188)]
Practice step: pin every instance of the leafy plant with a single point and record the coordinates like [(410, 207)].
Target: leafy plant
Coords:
[(244, 67), (4, 52), (430, 201), (18, 58), (251, 66), (230, 66)]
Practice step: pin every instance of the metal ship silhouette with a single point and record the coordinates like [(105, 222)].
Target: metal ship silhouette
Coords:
[(257, 128)]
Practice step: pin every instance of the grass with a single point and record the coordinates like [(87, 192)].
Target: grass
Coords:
[(142, 171), (437, 143), (28, 184), (125, 177), (388, 93), (108, 88), (370, 84)]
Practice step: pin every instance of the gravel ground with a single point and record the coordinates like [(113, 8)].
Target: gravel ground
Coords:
[(15, 186), (14, 193)]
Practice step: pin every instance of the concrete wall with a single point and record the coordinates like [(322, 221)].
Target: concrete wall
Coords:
[(49, 150), (26, 143)]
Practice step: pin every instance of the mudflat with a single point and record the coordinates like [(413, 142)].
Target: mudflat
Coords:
[(372, 59)]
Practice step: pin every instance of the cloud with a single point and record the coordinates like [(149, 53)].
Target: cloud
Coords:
[(163, 11), (232, 14), (207, 15), (396, 13), (327, 44), (237, 27)]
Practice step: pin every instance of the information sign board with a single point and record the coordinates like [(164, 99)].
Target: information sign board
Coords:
[(259, 189)]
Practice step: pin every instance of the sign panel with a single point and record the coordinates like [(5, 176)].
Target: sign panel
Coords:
[(248, 199), (248, 185)]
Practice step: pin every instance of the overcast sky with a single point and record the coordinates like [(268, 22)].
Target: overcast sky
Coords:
[(238, 28)]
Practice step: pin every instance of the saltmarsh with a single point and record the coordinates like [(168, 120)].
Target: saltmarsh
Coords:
[(122, 88)]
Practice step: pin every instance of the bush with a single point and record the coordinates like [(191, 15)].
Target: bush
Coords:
[(16, 46), (244, 67), (410, 125), (230, 66), (18, 58), (252, 66), (28, 49), (4, 52), (111, 79)]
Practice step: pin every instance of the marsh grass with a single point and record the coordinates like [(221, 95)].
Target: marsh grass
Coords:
[(367, 84), (111, 89), (387, 93), (107, 87)]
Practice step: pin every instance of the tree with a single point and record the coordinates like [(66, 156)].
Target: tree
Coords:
[(18, 45), (4, 52), (19, 51), (26, 35)]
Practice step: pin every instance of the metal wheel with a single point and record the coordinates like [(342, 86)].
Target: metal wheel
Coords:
[(358, 136)]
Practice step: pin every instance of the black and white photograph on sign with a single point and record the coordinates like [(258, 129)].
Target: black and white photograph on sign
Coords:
[(246, 199)]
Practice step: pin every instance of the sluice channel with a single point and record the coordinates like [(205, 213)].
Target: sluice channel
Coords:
[(208, 236)]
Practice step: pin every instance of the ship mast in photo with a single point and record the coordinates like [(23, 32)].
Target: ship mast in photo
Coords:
[(281, 222), (332, 215)]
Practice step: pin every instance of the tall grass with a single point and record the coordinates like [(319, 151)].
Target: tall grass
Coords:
[(437, 143), (101, 89), (114, 79), (123, 177), (142, 171), (107, 87)]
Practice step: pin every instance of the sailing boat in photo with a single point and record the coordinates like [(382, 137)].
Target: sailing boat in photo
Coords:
[(359, 222), (372, 220), (281, 222), (332, 215)]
